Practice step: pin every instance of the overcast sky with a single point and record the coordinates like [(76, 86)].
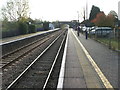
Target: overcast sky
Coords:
[(62, 10)]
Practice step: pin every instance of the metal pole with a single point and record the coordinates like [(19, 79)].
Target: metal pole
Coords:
[(78, 16), (78, 24), (110, 40)]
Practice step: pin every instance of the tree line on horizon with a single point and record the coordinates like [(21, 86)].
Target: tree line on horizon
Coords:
[(17, 21)]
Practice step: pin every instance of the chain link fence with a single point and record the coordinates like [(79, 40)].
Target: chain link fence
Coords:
[(109, 37)]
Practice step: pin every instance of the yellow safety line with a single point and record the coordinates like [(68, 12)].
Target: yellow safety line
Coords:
[(97, 69)]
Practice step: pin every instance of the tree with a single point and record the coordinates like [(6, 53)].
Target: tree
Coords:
[(94, 11), (46, 25), (102, 20), (113, 13), (56, 24), (110, 20), (15, 10), (83, 14)]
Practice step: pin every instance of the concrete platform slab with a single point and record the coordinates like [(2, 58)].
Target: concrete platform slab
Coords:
[(79, 73), (74, 83), (74, 73)]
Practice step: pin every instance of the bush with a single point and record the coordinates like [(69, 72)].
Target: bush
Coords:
[(32, 28), (23, 28), (10, 33)]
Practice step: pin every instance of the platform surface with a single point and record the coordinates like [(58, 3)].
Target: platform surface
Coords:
[(20, 37), (80, 72)]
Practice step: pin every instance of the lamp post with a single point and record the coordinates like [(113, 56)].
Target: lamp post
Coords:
[(78, 21), (29, 14), (78, 16)]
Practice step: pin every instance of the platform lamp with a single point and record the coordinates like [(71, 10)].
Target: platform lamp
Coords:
[(29, 22), (78, 17)]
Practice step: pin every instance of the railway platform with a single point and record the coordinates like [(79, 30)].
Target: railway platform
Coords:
[(20, 37), (78, 69)]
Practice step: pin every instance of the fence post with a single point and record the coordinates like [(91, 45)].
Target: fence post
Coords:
[(110, 40)]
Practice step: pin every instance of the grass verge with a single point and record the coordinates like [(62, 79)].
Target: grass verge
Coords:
[(112, 43)]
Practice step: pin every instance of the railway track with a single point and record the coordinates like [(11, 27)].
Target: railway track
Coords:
[(21, 52), (38, 73)]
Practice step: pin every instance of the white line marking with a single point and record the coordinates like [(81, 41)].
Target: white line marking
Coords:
[(97, 69), (62, 70)]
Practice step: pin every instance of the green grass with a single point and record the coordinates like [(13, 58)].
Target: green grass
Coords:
[(110, 42)]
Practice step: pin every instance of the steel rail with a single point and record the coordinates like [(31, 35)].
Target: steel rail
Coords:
[(27, 51), (6, 55), (20, 76), (58, 52)]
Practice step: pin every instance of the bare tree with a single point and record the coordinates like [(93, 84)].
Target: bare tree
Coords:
[(83, 13), (15, 10)]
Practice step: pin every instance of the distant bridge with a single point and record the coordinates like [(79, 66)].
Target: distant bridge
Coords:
[(70, 23)]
